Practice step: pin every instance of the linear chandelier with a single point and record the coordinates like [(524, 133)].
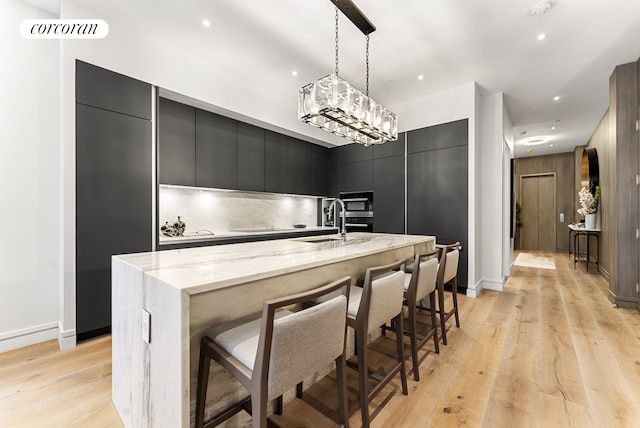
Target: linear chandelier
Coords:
[(332, 104)]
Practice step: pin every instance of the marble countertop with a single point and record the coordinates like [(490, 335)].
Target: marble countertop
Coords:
[(196, 270), (203, 236)]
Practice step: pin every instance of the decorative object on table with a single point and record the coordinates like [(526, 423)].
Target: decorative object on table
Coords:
[(334, 105), (589, 206), (175, 229)]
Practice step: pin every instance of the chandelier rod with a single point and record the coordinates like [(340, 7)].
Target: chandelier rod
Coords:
[(356, 16)]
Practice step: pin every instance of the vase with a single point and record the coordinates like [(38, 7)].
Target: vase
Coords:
[(590, 221)]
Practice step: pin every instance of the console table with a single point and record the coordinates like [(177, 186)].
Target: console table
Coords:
[(575, 231)]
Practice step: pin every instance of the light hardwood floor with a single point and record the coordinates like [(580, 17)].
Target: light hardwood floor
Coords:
[(549, 351)]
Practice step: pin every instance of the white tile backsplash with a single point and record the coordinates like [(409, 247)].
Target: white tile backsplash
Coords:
[(220, 210)]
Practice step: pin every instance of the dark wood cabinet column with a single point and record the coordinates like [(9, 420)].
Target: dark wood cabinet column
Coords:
[(113, 185)]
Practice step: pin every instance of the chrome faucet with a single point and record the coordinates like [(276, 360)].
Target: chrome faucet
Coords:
[(343, 232)]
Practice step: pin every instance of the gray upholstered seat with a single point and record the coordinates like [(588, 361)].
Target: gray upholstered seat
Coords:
[(275, 353)]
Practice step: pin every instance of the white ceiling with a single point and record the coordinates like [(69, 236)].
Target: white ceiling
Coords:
[(449, 42)]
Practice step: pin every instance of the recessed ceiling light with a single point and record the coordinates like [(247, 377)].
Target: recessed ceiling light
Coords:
[(556, 98), (421, 77), (534, 141), (294, 73), (206, 23), (553, 127), (550, 145), (541, 36), (529, 150)]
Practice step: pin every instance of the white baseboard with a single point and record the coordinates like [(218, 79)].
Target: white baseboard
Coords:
[(488, 284), (28, 336), (493, 284), (475, 291), (66, 339)]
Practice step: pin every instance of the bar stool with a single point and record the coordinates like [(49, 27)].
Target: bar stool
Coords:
[(274, 353), (379, 300), (418, 285), (448, 274)]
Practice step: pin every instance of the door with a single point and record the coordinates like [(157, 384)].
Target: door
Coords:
[(538, 201)]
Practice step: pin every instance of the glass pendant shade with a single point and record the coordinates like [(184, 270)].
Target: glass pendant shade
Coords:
[(332, 104)]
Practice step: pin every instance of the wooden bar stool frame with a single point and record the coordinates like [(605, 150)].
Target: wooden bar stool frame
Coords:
[(448, 275), (360, 323), (256, 381)]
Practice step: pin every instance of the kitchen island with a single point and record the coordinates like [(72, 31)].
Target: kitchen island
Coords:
[(164, 301)]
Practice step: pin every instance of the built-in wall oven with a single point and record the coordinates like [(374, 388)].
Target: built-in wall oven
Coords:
[(359, 211)]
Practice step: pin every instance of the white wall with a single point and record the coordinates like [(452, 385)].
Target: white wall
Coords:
[(30, 177), (491, 218)]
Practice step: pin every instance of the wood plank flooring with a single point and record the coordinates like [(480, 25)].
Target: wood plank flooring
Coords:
[(549, 351)]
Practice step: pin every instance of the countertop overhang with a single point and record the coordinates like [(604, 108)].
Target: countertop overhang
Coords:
[(202, 269)]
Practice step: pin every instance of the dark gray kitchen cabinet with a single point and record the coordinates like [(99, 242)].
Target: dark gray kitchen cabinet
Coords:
[(390, 148), (250, 157), (320, 169), (355, 167), (299, 167), (437, 186), (388, 194), (216, 151), (103, 88), (442, 136), (276, 162), (113, 187), (356, 176), (176, 143), (354, 152)]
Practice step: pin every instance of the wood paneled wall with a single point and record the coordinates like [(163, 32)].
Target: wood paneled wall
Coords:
[(566, 196), (616, 141)]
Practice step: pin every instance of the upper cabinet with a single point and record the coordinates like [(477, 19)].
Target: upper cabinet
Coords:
[(276, 162), (204, 149), (216, 151), (250, 157), (176, 143), (320, 170), (355, 167), (299, 172)]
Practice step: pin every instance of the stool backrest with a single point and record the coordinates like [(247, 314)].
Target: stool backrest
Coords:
[(427, 274), (382, 294), (298, 345), (451, 266)]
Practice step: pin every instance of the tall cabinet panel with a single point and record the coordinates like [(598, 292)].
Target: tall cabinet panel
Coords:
[(216, 151), (388, 195), (176, 143), (113, 186), (276, 162), (250, 157), (388, 186), (437, 186)]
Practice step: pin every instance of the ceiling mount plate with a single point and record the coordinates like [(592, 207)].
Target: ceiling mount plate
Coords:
[(540, 8), (351, 11)]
